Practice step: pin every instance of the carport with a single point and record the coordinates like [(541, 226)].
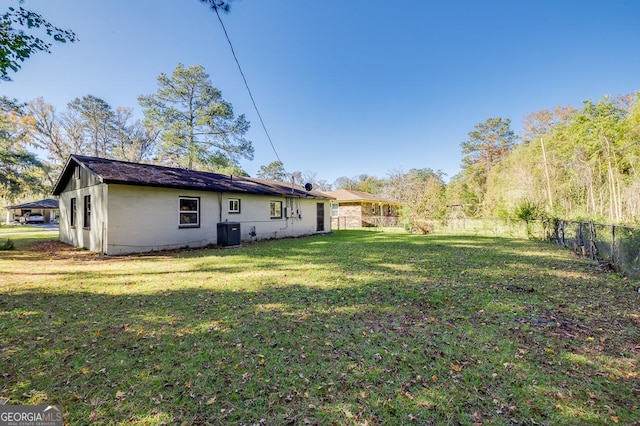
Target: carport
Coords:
[(48, 208)]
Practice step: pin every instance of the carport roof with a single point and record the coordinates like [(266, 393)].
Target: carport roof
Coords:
[(47, 203)]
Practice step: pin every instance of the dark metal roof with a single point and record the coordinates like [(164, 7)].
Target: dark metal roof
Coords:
[(125, 173), (48, 203)]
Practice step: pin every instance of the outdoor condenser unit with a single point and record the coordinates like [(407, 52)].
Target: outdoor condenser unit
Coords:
[(228, 234)]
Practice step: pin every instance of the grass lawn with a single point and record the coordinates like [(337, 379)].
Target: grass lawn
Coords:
[(357, 327)]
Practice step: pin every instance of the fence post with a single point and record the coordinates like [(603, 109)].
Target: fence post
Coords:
[(593, 249), (580, 240), (613, 244)]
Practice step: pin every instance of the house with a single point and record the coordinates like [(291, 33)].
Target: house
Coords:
[(356, 209), (41, 211), (117, 207)]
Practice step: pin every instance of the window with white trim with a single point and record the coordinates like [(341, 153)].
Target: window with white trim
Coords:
[(335, 210), (189, 212), (275, 209), (234, 205)]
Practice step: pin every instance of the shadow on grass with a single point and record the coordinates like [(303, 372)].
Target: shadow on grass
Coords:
[(344, 329)]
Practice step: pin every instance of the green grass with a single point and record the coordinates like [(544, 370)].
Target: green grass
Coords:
[(24, 235), (357, 327)]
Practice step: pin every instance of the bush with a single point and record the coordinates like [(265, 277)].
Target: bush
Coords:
[(421, 227), (8, 244), (527, 211)]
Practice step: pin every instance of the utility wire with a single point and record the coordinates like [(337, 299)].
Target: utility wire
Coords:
[(233, 52)]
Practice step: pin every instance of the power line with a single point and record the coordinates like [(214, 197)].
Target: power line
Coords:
[(233, 52)]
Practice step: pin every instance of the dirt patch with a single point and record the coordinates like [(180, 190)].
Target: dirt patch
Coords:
[(59, 250)]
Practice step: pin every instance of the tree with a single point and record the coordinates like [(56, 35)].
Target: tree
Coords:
[(19, 168), (487, 145), (198, 127), (597, 133), (273, 171), (97, 121), (344, 182), (223, 5), (541, 123), (363, 182), (312, 178), (16, 45), (582, 165), (422, 195), (48, 133), (133, 140), (90, 126)]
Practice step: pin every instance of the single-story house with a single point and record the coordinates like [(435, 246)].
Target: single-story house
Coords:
[(357, 209), (45, 210), (116, 207)]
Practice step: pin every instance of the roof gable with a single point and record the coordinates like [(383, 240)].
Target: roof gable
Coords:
[(121, 172)]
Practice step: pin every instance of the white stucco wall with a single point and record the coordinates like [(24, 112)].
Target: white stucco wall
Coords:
[(254, 216), (78, 235), (145, 219), (129, 219)]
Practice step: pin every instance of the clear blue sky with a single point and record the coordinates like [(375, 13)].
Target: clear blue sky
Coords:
[(348, 87)]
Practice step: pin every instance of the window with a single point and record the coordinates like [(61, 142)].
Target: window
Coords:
[(77, 172), (74, 210), (335, 210), (275, 209), (86, 222), (234, 205), (189, 212)]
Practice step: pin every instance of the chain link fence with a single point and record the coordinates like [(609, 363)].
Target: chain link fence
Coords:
[(615, 246)]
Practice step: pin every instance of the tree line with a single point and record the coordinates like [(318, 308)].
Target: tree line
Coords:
[(186, 124), (571, 163)]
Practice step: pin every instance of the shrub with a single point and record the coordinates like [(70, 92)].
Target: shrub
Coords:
[(8, 244)]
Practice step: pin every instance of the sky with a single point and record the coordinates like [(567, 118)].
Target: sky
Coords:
[(347, 87)]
